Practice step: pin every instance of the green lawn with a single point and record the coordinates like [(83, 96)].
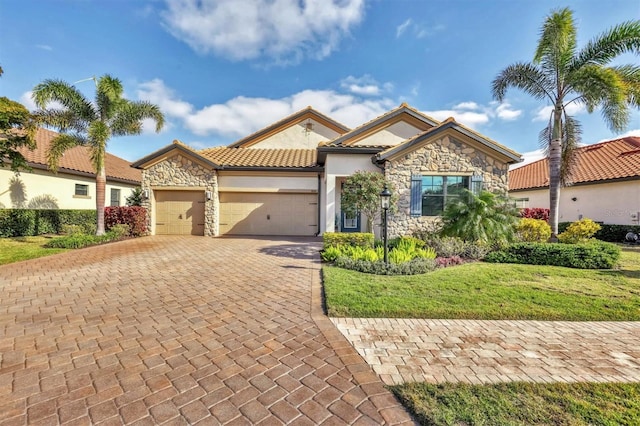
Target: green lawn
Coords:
[(523, 403), (491, 291), (24, 248)]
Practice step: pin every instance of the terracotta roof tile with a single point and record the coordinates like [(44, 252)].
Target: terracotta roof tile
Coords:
[(257, 157), (78, 159), (616, 159)]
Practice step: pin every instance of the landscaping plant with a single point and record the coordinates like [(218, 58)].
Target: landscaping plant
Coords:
[(533, 230), (579, 232), (361, 193)]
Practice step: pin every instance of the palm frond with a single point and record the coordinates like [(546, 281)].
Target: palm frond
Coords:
[(557, 43), (129, 116), (109, 96), (67, 95), (622, 38), (59, 145), (526, 77), (62, 119), (572, 136), (630, 76)]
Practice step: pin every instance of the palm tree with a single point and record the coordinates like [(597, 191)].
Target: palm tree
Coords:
[(91, 124), (562, 74)]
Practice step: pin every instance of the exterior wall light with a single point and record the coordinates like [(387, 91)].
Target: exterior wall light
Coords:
[(385, 201)]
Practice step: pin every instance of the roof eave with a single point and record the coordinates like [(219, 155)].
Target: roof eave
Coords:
[(324, 150), (165, 150), (311, 169), (74, 172)]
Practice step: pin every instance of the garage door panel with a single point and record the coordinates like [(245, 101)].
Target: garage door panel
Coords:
[(179, 212), (268, 214)]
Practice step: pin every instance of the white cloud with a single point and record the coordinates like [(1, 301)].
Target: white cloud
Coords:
[(44, 47), (529, 157), (364, 86), (402, 28), (633, 132), (473, 114), (156, 92), (26, 99), (280, 30), (544, 113)]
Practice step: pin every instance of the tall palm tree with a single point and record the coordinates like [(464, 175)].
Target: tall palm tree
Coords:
[(562, 74), (91, 124)]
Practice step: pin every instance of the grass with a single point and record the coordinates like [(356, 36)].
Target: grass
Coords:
[(491, 291), (522, 403), (24, 248)]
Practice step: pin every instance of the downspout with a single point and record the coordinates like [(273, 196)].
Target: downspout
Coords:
[(319, 203)]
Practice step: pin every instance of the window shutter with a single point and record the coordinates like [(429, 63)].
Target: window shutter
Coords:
[(416, 195)]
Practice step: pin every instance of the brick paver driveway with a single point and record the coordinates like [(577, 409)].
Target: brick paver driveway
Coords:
[(179, 331)]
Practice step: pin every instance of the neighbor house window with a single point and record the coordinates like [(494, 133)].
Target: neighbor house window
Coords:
[(115, 197), (522, 203), (82, 190), (431, 194)]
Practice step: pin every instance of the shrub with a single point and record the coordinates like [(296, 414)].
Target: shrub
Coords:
[(72, 229), (406, 241), (29, 222), (331, 253), (443, 262), (579, 231), (590, 255), (360, 239), (535, 213), (413, 267), (120, 231), (446, 246), (76, 241), (615, 233), (533, 230), (133, 216), (475, 250)]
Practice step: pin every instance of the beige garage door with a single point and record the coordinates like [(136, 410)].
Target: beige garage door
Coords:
[(179, 212), (243, 213)]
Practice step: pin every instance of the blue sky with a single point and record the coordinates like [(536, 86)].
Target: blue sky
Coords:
[(221, 69)]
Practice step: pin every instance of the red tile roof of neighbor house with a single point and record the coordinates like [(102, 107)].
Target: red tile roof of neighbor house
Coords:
[(78, 160), (616, 159), (257, 157)]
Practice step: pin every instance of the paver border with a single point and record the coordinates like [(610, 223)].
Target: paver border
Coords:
[(385, 402)]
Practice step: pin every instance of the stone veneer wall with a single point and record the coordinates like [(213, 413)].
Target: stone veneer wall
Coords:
[(180, 171), (443, 156)]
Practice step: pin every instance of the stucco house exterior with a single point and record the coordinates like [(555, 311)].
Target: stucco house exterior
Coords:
[(72, 187), (287, 178), (605, 184)]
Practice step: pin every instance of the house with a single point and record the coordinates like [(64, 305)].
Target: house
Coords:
[(287, 178), (72, 187), (606, 184)]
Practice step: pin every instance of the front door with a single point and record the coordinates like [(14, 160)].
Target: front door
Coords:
[(350, 222)]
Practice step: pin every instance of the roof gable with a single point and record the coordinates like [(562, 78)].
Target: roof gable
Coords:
[(303, 129), (169, 151), (242, 158), (78, 160), (604, 161), (389, 129), (490, 146)]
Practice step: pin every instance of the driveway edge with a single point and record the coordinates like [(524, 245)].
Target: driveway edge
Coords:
[(385, 402)]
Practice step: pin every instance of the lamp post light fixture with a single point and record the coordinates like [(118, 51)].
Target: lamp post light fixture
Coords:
[(385, 201)]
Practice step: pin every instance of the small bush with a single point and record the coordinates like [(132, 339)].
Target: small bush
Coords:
[(133, 216), (119, 231), (446, 246), (360, 239), (406, 241), (533, 230), (31, 222), (443, 262), (413, 267), (579, 231), (76, 241), (615, 233), (73, 229), (475, 250), (535, 213), (591, 255), (331, 253)]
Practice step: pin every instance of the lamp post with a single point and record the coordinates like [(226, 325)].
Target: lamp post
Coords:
[(385, 200)]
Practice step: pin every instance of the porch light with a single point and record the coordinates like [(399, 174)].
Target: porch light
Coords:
[(145, 194), (385, 201)]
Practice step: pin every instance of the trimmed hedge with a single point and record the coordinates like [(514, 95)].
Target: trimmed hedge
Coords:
[(358, 239), (413, 267), (591, 255), (133, 216), (610, 233), (31, 222), (77, 241)]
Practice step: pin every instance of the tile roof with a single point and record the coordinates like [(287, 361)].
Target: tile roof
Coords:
[(616, 159), (78, 159), (261, 157), (293, 118), (446, 124), (403, 108)]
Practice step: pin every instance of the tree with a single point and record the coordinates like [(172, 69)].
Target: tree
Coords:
[(136, 197), (91, 124), (17, 130), (563, 75), (361, 193), (488, 218)]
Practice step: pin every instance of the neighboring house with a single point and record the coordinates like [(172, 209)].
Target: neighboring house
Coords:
[(287, 178), (606, 184), (72, 187)]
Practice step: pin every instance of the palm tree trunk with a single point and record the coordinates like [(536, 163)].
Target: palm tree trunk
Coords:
[(101, 183), (555, 163)]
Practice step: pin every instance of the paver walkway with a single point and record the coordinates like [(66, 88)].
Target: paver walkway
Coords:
[(436, 351), (173, 330)]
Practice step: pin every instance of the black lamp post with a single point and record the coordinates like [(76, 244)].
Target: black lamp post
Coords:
[(385, 200)]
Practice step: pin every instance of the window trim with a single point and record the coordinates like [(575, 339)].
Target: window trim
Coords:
[(86, 191), (475, 182), (111, 199)]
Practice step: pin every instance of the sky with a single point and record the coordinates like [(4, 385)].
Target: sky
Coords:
[(222, 69)]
